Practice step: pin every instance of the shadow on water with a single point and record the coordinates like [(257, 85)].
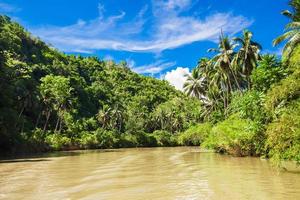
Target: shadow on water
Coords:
[(39, 157), (23, 160)]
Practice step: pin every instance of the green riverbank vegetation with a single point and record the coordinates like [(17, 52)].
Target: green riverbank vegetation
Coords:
[(238, 101), (251, 101)]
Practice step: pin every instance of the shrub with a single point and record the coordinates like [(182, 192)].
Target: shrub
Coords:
[(249, 105), (145, 139), (269, 71), (106, 139), (216, 116), (58, 141), (88, 140), (164, 138), (139, 138), (287, 89), (294, 59), (236, 136), (35, 140), (195, 135), (38, 136), (283, 134), (128, 140)]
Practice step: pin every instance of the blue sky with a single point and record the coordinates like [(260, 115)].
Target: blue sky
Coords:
[(161, 38)]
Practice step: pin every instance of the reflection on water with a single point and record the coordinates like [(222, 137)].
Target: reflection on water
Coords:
[(156, 173)]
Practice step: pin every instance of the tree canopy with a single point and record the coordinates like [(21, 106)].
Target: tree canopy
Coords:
[(50, 100)]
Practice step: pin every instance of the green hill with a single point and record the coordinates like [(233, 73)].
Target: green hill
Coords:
[(50, 100)]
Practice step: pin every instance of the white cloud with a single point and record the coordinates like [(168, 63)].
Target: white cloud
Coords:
[(167, 28), (153, 68), (170, 6), (101, 10), (176, 77), (8, 8)]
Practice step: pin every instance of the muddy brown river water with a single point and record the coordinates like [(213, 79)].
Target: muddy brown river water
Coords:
[(149, 173)]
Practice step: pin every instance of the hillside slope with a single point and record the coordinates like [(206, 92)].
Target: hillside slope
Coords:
[(50, 100)]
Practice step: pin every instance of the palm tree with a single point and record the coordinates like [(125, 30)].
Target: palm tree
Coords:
[(248, 55), (104, 116), (111, 117), (222, 62), (212, 79), (118, 117), (223, 78), (205, 70), (204, 67), (194, 85), (292, 29)]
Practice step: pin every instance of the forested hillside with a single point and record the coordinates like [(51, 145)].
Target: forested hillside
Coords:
[(50, 100)]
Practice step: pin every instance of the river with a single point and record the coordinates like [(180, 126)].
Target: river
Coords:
[(148, 173)]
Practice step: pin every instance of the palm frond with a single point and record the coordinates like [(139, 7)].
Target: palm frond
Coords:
[(290, 46), (292, 25), (238, 40), (283, 37), (287, 13), (213, 50), (257, 45)]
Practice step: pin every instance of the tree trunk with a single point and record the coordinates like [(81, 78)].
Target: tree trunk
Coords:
[(19, 116), (249, 82), (38, 120), (21, 112), (47, 120), (60, 126), (58, 119), (224, 100), (235, 78), (229, 87), (57, 123)]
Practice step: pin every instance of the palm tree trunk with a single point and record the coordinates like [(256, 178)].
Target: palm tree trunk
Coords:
[(38, 120), (227, 102), (224, 100), (249, 82), (227, 97), (235, 79), (19, 116), (57, 123), (47, 120), (58, 119), (21, 112), (229, 86), (60, 126)]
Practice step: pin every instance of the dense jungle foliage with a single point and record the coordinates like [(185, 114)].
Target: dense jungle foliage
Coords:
[(50, 100), (251, 100)]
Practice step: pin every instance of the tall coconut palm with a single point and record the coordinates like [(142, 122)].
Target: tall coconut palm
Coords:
[(248, 55), (194, 85), (104, 116), (204, 67), (205, 70), (292, 29), (222, 62)]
